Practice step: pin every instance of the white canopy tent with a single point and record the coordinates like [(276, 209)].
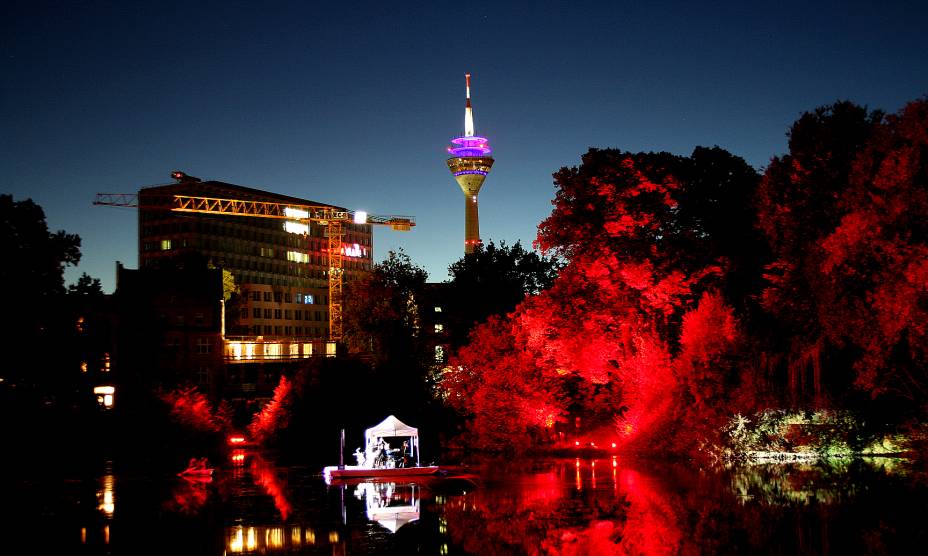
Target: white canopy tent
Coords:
[(391, 427)]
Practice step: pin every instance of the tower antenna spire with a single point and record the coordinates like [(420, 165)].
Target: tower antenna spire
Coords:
[(468, 111)]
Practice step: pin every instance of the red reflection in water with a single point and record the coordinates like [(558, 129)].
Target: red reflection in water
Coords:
[(189, 495), (544, 513), (265, 475)]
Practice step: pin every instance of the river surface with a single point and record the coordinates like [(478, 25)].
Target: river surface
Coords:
[(583, 506)]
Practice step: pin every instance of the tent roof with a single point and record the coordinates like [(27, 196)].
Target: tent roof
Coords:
[(391, 426), (393, 520)]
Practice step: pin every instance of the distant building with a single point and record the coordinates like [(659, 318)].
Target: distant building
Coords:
[(279, 266), (170, 329), (436, 322), (183, 321)]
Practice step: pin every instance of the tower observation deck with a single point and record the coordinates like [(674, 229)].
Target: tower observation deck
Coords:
[(470, 163)]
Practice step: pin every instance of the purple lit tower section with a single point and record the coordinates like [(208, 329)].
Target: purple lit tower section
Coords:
[(470, 163)]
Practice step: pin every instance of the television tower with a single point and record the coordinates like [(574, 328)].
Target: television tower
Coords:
[(470, 163)]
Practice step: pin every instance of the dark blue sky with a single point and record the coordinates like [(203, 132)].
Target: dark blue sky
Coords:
[(354, 104)]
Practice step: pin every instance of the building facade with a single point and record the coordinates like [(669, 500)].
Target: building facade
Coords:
[(280, 267)]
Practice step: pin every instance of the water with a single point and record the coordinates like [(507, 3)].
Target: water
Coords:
[(562, 506)]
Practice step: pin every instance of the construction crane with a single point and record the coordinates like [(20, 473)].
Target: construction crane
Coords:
[(333, 218)]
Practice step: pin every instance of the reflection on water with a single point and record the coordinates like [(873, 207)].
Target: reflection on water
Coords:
[(106, 500), (391, 505), (263, 539), (574, 506)]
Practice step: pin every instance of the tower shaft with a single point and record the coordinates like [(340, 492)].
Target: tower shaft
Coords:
[(471, 225)]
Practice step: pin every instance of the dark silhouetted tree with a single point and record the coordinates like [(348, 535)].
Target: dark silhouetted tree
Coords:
[(33, 279), (492, 281), (86, 286)]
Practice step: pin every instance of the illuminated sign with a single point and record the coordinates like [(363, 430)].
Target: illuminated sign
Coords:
[(353, 250)]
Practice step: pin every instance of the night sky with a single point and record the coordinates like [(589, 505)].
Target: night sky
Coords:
[(354, 104)]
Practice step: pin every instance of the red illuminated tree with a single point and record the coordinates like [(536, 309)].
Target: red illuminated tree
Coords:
[(845, 214), (645, 235)]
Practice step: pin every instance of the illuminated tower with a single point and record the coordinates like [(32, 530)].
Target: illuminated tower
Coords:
[(470, 163)]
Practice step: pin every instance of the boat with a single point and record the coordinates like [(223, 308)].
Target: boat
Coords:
[(380, 461), (208, 472)]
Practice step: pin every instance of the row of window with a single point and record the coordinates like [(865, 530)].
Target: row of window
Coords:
[(204, 345), (255, 230), (277, 330), (278, 314), (283, 297)]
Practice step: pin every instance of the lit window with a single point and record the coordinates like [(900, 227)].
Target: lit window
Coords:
[(439, 328), (308, 299), (297, 257), (296, 227), (295, 213), (437, 309), (105, 395), (439, 354), (298, 298), (165, 245)]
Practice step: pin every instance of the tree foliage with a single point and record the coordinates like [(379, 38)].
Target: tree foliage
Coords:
[(645, 237), (40, 255), (383, 316), (845, 213), (492, 281), (33, 279), (695, 290)]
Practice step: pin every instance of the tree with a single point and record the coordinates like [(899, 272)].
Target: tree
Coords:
[(845, 214), (611, 344), (40, 256), (34, 281), (383, 316), (86, 286), (492, 281)]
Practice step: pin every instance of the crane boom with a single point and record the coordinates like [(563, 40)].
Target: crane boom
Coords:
[(333, 218)]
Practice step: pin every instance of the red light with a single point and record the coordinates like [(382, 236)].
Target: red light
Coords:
[(613, 444), (577, 443)]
